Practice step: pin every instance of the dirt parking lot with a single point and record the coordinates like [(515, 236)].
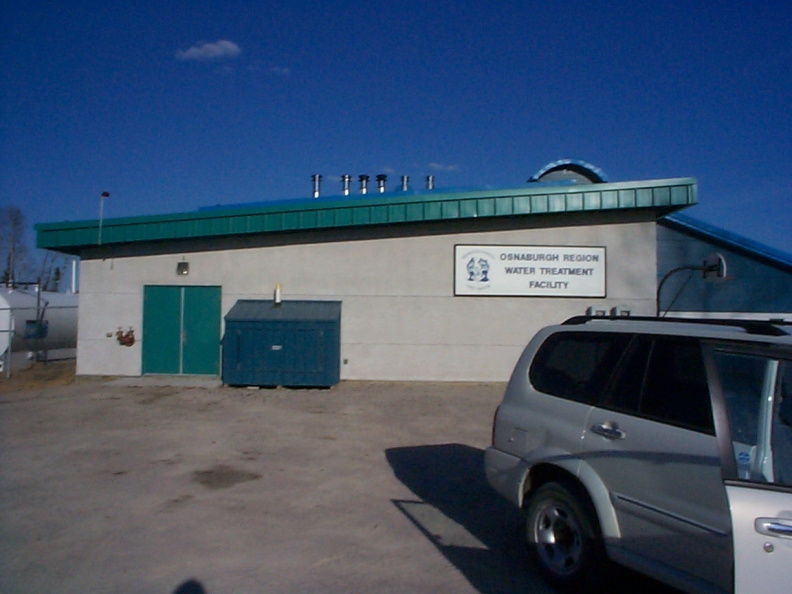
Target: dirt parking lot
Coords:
[(365, 487)]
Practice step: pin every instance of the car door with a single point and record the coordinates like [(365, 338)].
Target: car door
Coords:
[(755, 390), (544, 409), (651, 441)]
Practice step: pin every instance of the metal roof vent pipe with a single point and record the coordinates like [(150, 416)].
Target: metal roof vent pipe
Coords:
[(405, 183), (430, 182), (381, 179), (317, 182), (345, 179), (363, 179)]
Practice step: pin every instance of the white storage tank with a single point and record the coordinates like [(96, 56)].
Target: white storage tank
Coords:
[(36, 324)]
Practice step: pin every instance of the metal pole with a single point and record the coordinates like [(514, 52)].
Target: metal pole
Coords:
[(7, 354), (101, 214)]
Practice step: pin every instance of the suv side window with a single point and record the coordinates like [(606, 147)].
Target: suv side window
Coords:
[(624, 395), (576, 365), (742, 379), (757, 391), (662, 378), (782, 428), (676, 390)]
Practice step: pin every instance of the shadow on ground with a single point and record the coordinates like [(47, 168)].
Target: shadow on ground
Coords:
[(191, 586), (472, 526)]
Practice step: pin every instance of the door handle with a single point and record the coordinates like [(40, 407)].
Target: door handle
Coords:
[(774, 527), (609, 430)]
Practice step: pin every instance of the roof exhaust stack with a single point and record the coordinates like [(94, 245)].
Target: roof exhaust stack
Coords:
[(430, 182), (363, 183), (345, 179), (317, 181), (405, 183), (381, 179)]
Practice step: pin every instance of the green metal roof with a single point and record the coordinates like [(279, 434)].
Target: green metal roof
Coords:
[(390, 208)]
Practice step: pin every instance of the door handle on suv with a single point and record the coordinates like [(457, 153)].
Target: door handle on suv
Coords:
[(773, 527), (609, 430)]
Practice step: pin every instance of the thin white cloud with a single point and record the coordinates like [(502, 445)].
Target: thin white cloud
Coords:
[(210, 52), (441, 167), (280, 70)]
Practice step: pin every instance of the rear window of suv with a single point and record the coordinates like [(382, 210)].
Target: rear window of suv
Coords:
[(576, 365)]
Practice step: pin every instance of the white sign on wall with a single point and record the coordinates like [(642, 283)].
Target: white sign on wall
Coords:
[(531, 271)]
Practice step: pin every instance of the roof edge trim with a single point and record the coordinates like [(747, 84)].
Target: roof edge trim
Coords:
[(663, 196)]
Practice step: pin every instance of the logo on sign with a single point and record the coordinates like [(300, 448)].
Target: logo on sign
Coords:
[(478, 270)]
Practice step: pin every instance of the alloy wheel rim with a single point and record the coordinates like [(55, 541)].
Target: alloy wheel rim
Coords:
[(558, 538)]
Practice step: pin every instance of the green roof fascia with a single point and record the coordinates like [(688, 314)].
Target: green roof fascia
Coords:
[(665, 195)]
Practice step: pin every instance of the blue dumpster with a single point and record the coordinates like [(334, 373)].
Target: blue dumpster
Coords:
[(291, 343)]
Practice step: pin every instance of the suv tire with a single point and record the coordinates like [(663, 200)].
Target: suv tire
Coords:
[(564, 537)]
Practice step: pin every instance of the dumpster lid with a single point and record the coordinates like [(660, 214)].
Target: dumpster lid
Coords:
[(267, 309)]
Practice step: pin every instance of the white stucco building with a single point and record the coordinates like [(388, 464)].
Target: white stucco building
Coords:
[(433, 284)]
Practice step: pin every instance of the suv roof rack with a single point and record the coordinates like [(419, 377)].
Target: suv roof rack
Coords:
[(759, 327)]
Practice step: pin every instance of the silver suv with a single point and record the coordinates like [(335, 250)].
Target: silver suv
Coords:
[(664, 445)]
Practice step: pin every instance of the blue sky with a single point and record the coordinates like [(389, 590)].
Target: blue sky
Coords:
[(172, 106)]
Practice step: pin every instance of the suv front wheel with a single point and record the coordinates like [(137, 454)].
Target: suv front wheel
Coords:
[(563, 536)]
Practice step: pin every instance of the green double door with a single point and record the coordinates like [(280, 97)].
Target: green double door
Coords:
[(181, 330)]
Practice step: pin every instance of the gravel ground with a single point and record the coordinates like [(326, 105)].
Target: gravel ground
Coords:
[(365, 487)]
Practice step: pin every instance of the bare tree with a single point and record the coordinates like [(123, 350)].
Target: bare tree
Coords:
[(52, 269), (14, 253)]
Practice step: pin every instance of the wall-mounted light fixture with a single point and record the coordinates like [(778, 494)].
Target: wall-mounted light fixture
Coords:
[(182, 268), (713, 267)]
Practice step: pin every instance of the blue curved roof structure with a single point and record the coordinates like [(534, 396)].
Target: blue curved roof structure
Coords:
[(591, 172)]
